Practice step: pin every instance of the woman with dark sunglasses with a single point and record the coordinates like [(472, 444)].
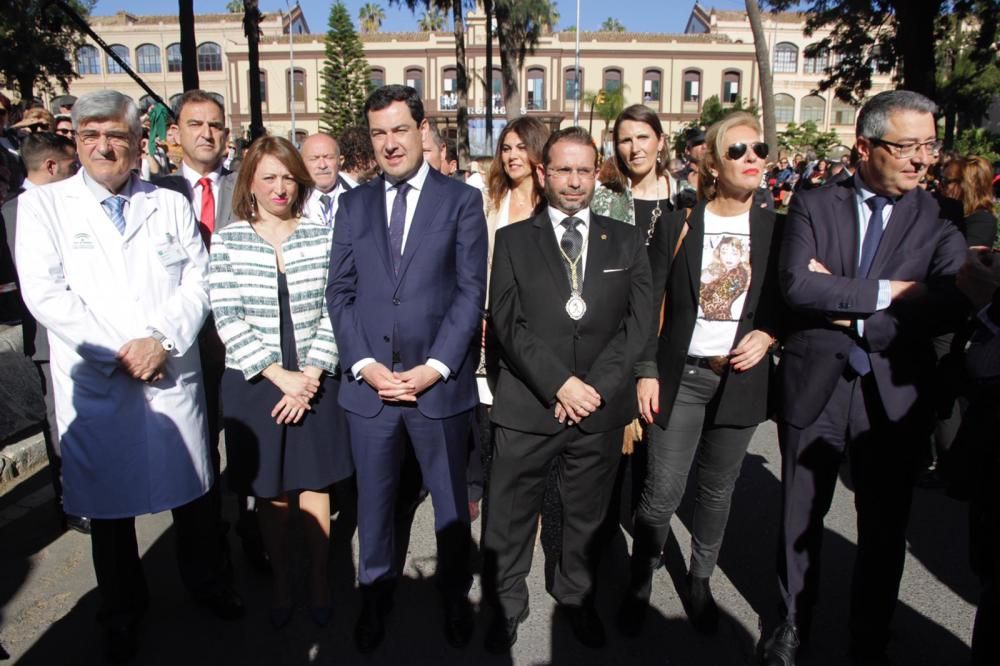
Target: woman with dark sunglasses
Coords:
[(704, 377)]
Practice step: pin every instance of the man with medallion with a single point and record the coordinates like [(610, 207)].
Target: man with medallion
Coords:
[(570, 298)]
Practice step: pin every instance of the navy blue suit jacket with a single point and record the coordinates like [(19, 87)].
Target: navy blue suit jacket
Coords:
[(432, 309), (917, 245)]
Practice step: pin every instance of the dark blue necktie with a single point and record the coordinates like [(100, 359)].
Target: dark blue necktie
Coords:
[(397, 222), (857, 357)]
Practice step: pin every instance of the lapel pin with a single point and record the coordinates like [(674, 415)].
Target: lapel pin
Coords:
[(604, 237)]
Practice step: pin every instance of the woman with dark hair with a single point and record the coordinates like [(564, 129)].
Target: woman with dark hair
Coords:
[(513, 191), (639, 188), (705, 374), (267, 283)]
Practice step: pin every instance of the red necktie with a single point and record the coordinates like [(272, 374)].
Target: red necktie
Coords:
[(207, 222)]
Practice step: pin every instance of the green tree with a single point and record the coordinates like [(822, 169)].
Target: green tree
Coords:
[(371, 16), (606, 104), (38, 43), (968, 74), (612, 25), (519, 25), (432, 21), (712, 111), (234, 6), (345, 74), (807, 137), (979, 141)]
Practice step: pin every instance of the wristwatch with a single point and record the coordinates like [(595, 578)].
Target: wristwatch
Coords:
[(165, 342)]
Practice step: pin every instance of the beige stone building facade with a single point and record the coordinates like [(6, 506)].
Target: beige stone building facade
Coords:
[(672, 73)]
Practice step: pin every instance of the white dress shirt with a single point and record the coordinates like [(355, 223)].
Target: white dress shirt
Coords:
[(864, 217), (557, 216), (192, 177), (416, 182), (314, 207)]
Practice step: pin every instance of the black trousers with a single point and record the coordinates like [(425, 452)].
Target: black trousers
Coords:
[(586, 466), (120, 580), (883, 457)]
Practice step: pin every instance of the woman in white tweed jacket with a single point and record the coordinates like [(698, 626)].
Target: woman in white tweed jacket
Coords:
[(284, 429)]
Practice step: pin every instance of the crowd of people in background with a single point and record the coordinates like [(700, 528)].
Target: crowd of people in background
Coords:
[(367, 314)]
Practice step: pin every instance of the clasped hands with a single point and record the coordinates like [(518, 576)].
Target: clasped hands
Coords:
[(298, 387), (900, 290), (143, 359), (397, 387), (575, 401)]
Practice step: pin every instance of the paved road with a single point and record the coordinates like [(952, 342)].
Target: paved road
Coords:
[(48, 598)]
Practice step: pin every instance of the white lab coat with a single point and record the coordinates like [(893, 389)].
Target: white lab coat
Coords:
[(128, 448)]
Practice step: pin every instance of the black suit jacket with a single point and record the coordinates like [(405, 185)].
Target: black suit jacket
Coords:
[(742, 399), (541, 346), (917, 245), (227, 182)]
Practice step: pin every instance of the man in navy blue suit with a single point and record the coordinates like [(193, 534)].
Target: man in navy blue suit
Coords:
[(406, 291), (867, 266)]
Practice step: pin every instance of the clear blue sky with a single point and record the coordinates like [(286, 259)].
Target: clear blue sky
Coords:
[(638, 15)]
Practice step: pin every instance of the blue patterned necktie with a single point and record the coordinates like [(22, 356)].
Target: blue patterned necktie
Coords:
[(857, 357), (397, 222), (114, 206)]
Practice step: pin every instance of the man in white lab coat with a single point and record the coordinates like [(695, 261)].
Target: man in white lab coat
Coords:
[(115, 269)]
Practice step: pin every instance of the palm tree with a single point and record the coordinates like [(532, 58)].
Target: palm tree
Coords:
[(766, 80), (431, 21), (371, 16), (519, 25), (234, 6), (607, 104), (612, 25)]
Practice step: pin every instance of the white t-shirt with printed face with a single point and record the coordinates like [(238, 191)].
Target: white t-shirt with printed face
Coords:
[(724, 283)]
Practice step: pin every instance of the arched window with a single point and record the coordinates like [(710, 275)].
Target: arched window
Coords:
[(612, 79), (121, 52), (449, 89), (263, 86), (816, 63), (497, 80), (813, 108), (147, 59), (535, 91), (572, 86), (86, 60), (652, 84), (209, 57), (295, 84), (786, 58), (376, 79), (174, 57), (414, 77), (784, 108), (842, 112), (692, 90), (731, 86)]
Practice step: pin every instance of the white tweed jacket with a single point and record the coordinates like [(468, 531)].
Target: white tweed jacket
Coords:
[(243, 288)]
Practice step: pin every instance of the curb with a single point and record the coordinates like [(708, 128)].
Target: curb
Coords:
[(20, 460)]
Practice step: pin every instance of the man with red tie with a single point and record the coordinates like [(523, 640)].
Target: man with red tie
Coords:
[(208, 185)]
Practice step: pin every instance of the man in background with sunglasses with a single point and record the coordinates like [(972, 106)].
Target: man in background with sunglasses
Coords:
[(868, 267)]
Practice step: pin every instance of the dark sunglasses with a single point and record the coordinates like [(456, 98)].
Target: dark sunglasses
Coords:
[(738, 150)]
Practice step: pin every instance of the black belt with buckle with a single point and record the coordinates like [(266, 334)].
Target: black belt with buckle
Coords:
[(716, 364)]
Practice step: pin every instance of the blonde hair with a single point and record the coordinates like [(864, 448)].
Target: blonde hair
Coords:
[(977, 184), (715, 150)]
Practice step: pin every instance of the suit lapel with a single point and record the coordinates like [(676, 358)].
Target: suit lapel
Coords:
[(225, 207), (380, 234), (428, 209), (904, 215), (692, 247), (847, 228), (597, 252), (141, 207), (550, 253)]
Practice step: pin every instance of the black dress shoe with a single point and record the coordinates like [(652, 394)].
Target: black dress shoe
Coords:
[(631, 616), (458, 623), (502, 634), (701, 607), (121, 643), (587, 625), (370, 629), (781, 648), (224, 603), (77, 524)]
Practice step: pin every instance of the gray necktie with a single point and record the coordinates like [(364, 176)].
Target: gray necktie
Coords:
[(397, 222), (324, 202), (572, 245)]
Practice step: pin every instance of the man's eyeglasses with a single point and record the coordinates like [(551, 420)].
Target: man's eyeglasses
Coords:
[(902, 151), (738, 150), (566, 172), (116, 139)]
